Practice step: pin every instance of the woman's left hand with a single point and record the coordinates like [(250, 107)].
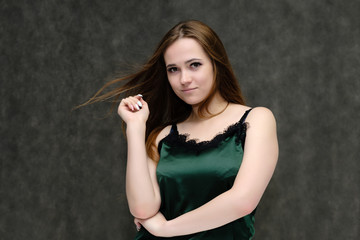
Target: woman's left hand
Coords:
[(155, 225)]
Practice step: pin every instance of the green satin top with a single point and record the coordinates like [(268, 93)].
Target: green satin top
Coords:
[(191, 174)]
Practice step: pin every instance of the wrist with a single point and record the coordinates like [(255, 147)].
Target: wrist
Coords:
[(135, 127)]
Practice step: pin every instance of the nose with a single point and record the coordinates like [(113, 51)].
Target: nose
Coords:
[(185, 77)]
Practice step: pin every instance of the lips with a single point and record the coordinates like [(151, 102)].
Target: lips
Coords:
[(188, 89)]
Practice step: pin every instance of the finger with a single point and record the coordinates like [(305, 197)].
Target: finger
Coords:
[(127, 102), (137, 224), (140, 100), (136, 101), (143, 103), (132, 103)]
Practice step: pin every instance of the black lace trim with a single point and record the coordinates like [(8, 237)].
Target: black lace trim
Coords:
[(181, 140)]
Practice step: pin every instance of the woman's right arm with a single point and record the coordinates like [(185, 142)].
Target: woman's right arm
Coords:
[(142, 189)]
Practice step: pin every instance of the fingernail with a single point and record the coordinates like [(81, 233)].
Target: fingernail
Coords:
[(140, 95), (137, 107), (139, 103), (138, 228)]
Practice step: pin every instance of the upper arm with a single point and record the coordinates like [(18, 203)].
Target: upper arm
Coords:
[(152, 171), (260, 156), (153, 164)]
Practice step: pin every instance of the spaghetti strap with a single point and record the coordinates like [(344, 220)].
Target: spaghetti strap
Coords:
[(243, 118), (173, 128)]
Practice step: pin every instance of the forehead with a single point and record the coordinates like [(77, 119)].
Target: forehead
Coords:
[(184, 49)]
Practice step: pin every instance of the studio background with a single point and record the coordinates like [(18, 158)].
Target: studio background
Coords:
[(63, 172)]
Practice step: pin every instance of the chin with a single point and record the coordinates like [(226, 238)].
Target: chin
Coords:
[(192, 102)]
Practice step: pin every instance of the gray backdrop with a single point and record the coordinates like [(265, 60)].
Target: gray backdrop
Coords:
[(62, 172)]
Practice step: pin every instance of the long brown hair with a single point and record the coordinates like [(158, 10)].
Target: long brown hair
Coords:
[(151, 81)]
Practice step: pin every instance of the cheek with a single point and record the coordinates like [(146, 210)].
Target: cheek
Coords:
[(172, 84), (207, 80), (172, 79)]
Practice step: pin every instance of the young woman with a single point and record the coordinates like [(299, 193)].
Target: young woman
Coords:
[(199, 160)]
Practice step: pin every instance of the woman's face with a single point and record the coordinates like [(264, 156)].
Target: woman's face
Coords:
[(189, 70)]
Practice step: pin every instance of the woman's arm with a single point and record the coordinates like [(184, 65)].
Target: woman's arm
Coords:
[(259, 161), (142, 190)]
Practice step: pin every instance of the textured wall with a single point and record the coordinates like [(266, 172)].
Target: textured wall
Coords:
[(62, 172)]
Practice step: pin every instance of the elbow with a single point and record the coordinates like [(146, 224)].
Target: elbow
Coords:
[(143, 211), (142, 214), (246, 209), (245, 206)]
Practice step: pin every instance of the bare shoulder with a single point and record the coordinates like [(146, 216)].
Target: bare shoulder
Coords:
[(256, 113), (163, 133), (235, 112), (261, 118), (261, 112)]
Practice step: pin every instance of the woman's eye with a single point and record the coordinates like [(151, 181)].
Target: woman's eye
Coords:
[(172, 69), (195, 65)]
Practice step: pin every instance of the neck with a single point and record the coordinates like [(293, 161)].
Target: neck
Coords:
[(216, 106)]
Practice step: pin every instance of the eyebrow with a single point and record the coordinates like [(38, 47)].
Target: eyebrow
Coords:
[(190, 60)]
